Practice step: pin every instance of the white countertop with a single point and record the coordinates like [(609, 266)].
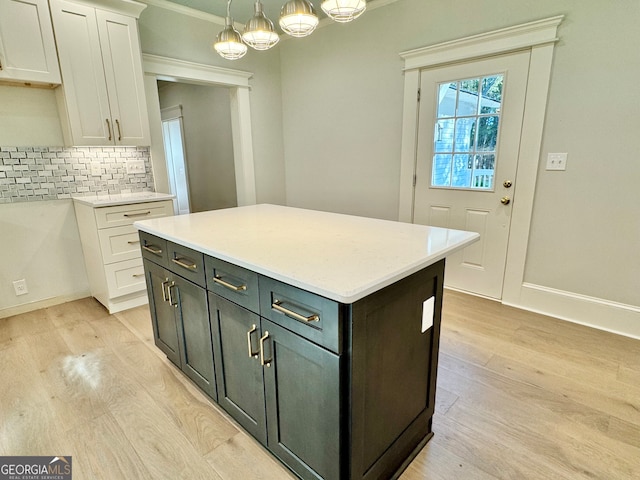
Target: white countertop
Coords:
[(121, 198), (341, 257)]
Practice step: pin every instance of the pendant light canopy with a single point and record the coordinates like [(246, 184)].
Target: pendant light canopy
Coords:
[(344, 11), (229, 42), (298, 18), (259, 32)]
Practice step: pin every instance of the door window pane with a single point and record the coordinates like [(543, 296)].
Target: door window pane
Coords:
[(466, 133), (447, 93)]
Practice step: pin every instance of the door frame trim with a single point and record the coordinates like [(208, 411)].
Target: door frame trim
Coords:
[(174, 70), (538, 37)]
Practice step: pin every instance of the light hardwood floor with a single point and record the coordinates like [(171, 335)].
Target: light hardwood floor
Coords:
[(520, 396)]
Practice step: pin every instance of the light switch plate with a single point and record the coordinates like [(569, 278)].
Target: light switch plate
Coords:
[(557, 161), (135, 166)]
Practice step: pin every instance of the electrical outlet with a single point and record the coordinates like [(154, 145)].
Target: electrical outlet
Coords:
[(557, 161), (20, 286), (96, 170), (135, 166)]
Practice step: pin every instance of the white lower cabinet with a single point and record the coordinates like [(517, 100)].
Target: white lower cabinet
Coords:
[(111, 248)]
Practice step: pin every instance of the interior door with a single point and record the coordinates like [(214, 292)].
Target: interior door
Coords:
[(469, 127)]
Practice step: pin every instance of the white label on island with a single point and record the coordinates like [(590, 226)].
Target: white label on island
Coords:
[(427, 313)]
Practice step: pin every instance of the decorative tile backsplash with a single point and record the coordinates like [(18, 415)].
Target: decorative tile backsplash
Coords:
[(30, 174)]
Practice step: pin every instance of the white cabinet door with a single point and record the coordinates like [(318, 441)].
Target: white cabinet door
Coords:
[(27, 47), (84, 91), (122, 62), (103, 97)]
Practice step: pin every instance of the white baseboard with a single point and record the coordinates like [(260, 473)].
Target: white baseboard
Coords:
[(38, 304), (591, 311)]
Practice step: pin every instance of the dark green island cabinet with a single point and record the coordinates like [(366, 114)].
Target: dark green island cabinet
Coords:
[(335, 390)]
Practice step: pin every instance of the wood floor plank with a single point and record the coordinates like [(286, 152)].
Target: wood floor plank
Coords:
[(103, 452), (241, 457), (163, 447), (438, 463), (520, 396), (608, 396)]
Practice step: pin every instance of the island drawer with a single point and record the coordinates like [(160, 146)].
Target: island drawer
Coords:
[(232, 282), (186, 262), (119, 215), (153, 248), (311, 316)]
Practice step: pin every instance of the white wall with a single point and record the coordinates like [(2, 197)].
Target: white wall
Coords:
[(40, 243), (173, 35), (342, 109), (206, 119)]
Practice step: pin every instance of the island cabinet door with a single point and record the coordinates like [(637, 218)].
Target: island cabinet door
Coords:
[(302, 385), (237, 361), (190, 303), (163, 317)]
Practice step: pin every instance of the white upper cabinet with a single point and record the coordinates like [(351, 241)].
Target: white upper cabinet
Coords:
[(102, 100), (27, 48)]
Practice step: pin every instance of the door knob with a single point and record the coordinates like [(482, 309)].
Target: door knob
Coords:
[(507, 184), (505, 200)]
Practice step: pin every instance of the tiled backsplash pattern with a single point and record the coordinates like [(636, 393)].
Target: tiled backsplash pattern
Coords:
[(48, 173)]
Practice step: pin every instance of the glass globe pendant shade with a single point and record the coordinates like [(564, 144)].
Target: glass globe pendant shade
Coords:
[(344, 11), (259, 32), (298, 18), (229, 42)]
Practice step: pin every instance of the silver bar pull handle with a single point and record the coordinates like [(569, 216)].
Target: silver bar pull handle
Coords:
[(165, 298), (171, 297), (119, 132), (263, 362), (133, 242), (235, 288), (108, 127), (252, 354), (136, 275), (152, 249), (188, 266), (137, 214), (277, 305)]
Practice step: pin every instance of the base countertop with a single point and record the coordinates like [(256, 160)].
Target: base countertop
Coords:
[(121, 198), (341, 257)]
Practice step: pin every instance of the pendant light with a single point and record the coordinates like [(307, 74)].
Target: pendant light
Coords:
[(344, 11), (229, 42), (259, 33), (298, 18)]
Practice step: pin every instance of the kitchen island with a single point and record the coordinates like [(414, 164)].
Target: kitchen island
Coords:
[(316, 332)]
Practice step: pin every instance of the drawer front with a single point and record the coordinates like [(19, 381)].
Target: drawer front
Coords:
[(186, 262), (309, 315), (119, 243), (119, 215), (233, 283), (154, 248), (125, 277)]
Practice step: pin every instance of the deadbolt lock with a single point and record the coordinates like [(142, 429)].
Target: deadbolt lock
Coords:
[(505, 200), (507, 184)]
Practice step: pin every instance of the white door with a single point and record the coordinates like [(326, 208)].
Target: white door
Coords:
[(174, 150), (469, 126)]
